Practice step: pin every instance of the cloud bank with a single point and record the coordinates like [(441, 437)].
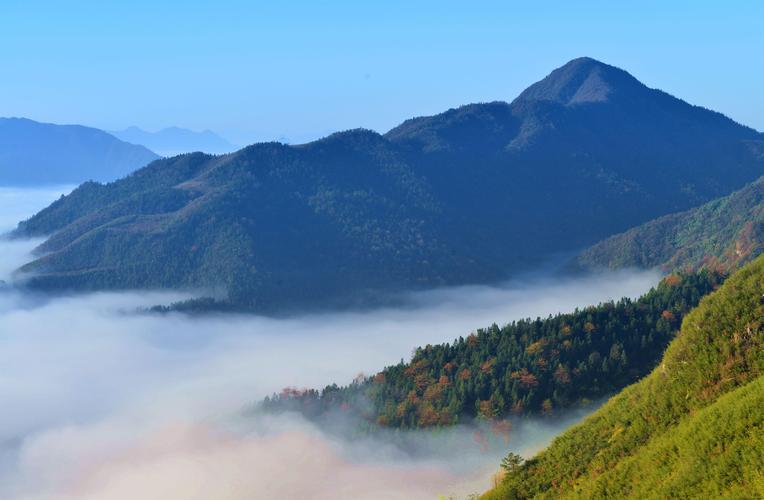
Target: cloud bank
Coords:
[(102, 402)]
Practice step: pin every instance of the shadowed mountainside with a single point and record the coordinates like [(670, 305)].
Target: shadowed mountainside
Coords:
[(470, 195)]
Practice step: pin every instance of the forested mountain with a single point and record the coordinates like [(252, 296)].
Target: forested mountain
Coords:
[(33, 153), (173, 141), (526, 367), (466, 196), (691, 429), (274, 224), (722, 234)]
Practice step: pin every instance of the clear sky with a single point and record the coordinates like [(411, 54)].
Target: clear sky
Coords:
[(300, 69)]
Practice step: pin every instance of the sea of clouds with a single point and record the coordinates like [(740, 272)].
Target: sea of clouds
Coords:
[(103, 402)]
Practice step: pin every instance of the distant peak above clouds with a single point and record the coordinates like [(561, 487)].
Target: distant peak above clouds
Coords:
[(172, 141)]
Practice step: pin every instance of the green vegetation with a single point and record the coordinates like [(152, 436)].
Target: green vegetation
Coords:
[(692, 428), (722, 234), (526, 367), (467, 196)]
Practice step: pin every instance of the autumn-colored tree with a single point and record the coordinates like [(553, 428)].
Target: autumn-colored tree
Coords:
[(487, 367), (672, 280)]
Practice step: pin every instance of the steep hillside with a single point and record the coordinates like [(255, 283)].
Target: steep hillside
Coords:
[(724, 234), (536, 366), (692, 428), (468, 196), (273, 224), (33, 153), (588, 150)]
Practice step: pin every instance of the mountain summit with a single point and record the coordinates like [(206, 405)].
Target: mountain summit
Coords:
[(583, 80), (470, 195)]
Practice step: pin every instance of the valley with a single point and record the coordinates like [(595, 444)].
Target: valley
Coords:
[(114, 380)]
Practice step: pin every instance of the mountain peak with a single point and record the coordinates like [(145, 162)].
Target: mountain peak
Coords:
[(582, 80)]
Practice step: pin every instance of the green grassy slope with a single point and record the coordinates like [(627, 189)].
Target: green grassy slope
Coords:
[(692, 428)]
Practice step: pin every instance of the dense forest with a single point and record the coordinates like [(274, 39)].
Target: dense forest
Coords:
[(471, 195), (722, 234), (532, 366), (691, 429)]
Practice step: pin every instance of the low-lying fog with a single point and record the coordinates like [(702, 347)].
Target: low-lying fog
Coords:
[(101, 402)]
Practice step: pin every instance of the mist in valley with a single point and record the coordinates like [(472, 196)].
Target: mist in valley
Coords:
[(102, 401)]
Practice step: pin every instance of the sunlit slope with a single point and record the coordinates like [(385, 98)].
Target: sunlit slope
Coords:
[(692, 428), (722, 234), (531, 366)]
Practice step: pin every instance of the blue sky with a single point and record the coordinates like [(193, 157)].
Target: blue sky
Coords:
[(265, 70)]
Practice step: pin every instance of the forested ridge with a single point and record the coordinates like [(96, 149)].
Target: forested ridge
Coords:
[(475, 194), (691, 429), (723, 234), (532, 366)]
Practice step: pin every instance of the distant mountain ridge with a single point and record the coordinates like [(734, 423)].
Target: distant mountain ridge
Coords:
[(467, 196), (34, 153), (173, 141)]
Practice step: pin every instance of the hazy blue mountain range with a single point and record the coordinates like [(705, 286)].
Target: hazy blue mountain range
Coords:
[(722, 234), (467, 196), (172, 141), (33, 153)]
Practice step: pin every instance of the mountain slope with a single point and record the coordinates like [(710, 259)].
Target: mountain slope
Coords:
[(531, 366), (33, 153), (290, 221), (689, 429), (723, 234), (173, 141), (470, 195), (588, 150)]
